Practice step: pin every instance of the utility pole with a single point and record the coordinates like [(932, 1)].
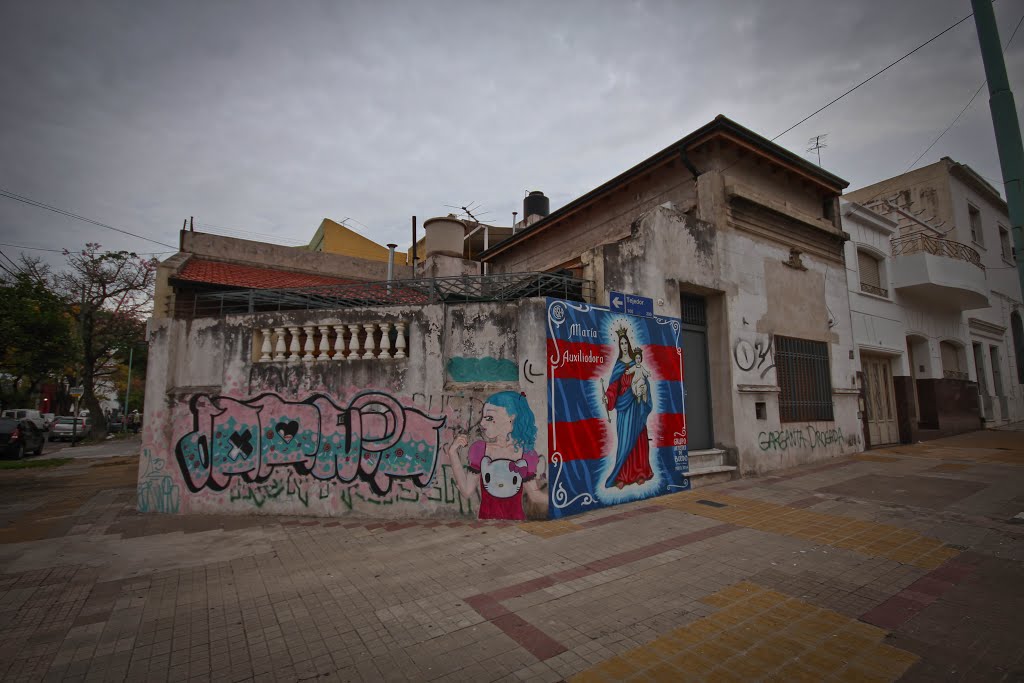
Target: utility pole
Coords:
[(1004, 120), (128, 389)]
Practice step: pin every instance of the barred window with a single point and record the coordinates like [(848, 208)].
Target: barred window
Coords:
[(870, 274), (805, 380)]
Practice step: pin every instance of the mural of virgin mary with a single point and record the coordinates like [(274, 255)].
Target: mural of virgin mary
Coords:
[(630, 401)]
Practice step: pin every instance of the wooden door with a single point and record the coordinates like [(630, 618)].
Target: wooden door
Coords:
[(881, 400)]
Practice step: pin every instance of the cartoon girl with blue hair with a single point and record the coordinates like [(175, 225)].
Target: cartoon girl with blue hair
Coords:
[(505, 458)]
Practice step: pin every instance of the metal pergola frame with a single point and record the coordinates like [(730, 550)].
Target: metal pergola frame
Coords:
[(416, 292)]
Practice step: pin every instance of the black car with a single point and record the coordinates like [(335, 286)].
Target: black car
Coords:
[(19, 436)]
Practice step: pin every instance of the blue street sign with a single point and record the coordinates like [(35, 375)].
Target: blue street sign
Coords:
[(631, 305)]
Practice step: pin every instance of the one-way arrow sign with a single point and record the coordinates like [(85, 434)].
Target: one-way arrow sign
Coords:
[(617, 302)]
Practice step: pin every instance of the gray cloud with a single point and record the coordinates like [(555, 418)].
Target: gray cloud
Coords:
[(269, 116)]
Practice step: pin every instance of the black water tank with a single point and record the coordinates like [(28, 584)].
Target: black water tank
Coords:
[(536, 204)]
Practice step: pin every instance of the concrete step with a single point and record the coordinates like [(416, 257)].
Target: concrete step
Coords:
[(708, 457), (710, 475)]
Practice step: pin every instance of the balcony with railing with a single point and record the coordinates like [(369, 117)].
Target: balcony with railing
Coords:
[(942, 272)]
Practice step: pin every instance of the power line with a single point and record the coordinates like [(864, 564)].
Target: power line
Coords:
[(967, 106), (877, 73), (70, 214), (16, 269), (61, 251)]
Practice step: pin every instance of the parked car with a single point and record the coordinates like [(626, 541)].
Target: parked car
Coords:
[(115, 424), (20, 436), (25, 414), (64, 427)]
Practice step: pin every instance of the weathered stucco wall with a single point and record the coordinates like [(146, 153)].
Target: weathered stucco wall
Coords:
[(385, 437), (760, 297)]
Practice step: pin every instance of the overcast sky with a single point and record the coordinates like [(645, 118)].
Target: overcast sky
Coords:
[(269, 116)]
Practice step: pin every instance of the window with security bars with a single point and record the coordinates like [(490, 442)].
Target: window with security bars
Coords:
[(870, 274), (805, 380)]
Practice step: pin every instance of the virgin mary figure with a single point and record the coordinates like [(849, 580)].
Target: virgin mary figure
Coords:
[(633, 452)]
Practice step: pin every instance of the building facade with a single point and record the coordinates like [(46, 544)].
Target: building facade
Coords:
[(935, 299), (514, 384)]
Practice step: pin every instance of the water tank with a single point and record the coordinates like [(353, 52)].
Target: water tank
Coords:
[(536, 204)]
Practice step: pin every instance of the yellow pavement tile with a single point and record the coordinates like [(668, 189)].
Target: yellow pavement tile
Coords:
[(795, 672), (772, 637), (617, 668), (869, 538), (550, 528)]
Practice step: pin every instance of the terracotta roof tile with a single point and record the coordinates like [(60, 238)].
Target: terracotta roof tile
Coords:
[(251, 277)]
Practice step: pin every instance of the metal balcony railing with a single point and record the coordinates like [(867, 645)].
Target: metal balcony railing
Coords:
[(921, 241), (418, 292)]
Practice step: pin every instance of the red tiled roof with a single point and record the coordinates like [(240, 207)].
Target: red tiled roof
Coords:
[(251, 277)]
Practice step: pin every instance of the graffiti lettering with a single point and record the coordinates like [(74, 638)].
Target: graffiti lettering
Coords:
[(807, 437), (529, 373), (157, 491), (754, 355), (375, 438)]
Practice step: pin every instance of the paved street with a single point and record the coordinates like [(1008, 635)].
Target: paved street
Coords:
[(897, 564), (121, 445)]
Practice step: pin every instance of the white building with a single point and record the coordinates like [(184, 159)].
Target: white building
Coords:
[(935, 301)]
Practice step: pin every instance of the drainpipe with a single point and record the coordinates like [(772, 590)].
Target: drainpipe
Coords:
[(414, 246), (391, 265)]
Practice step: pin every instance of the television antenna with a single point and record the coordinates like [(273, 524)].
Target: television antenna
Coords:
[(472, 211), (816, 144)]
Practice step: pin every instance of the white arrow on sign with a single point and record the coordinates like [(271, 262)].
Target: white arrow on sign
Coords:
[(616, 302)]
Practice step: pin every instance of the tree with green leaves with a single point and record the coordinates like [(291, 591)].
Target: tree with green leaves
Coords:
[(37, 337), (109, 295)]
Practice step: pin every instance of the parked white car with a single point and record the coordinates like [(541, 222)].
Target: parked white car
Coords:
[(33, 416)]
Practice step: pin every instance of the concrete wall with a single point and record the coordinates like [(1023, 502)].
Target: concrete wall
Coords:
[(607, 221), (254, 253), (704, 242), (381, 437)]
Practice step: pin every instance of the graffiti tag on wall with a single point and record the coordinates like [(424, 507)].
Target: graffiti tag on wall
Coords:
[(809, 437), (157, 491), (374, 438), (754, 355)]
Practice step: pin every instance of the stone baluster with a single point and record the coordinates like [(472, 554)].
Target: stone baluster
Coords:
[(310, 331), (400, 341), (280, 349), (353, 342), (339, 342), (385, 340), (265, 347), (325, 342), (295, 349), (371, 343)]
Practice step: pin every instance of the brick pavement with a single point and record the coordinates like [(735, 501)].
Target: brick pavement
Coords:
[(900, 563)]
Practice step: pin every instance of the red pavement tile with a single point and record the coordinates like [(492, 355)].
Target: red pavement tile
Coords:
[(536, 642), (516, 590), (486, 606), (929, 585), (892, 613)]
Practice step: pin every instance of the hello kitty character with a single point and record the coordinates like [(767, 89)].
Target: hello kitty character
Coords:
[(504, 459), (503, 481)]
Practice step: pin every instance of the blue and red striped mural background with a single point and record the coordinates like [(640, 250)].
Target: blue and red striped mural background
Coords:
[(582, 346)]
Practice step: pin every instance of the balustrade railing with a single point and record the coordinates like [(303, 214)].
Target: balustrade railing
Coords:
[(921, 241), (330, 342)]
